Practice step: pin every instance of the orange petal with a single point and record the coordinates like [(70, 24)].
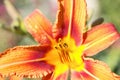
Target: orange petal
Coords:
[(71, 19), (80, 76), (94, 70), (74, 75), (25, 62), (39, 27), (15, 78), (64, 76), (98, 69), (1, 78), (99, 38)]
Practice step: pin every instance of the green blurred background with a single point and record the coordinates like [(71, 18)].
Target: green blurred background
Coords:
[(13, 32)]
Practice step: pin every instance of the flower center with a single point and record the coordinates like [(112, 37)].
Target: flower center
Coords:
[(70, 55), (65, 53)]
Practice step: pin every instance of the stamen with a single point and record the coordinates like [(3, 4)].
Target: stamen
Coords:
[(59, 40), (65, 45), (65, 57), (63, 51), (60, 45), (56, 47), (68, 57), (61, 58)]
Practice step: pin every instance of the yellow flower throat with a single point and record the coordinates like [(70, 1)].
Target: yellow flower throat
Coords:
[(66, 55)]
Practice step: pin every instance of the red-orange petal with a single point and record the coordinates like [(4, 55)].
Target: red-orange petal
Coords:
[(99, 38), (71, 19), (94, 70), (40, 28), (64, 76), (98, 69), (81, 76), (47, 77), (74, 75), (25, 62)]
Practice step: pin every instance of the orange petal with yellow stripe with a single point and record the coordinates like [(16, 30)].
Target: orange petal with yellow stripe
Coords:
[(25, 62), (39, 27), (99, 38), (94, 70), (71, 19), (98, 69)]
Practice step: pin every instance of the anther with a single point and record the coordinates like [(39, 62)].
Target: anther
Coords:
[(60, 45), (65, 45), (56, 47), (59, 40)]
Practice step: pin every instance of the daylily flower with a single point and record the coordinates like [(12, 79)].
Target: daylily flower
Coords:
[(64, 47)]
